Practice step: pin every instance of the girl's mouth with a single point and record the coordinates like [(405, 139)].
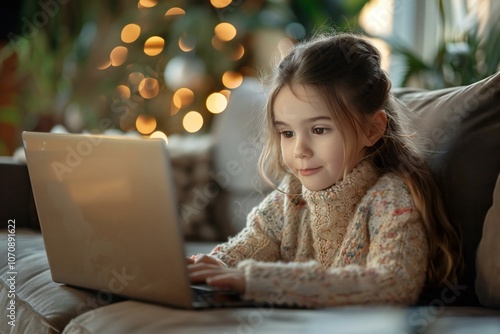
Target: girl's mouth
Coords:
[(309, 171)]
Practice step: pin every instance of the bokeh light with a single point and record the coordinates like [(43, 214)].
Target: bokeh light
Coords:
[(174, 11), (123, 91), (159, 134), (135, 78), (154, 45), (226, 93), (145, 124), (149, 88), (118, 55), (186, 44), (183, 97), (232, 79), (216, 103), (147, 3), (238, 53), (220, 3), (104, 65), (217, 43), (225, 31), (130, 33), (192, 121)]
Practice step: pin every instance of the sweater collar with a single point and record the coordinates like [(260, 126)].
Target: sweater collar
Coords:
[(349, 190)]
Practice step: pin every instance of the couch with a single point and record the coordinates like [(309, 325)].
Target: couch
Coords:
[(460, 131)]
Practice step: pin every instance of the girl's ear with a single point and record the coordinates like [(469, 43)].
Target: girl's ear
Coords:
[(377, 127)]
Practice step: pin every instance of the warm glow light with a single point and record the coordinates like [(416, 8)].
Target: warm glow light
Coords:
[(226, 93), (238, 54), (154, 45), (175, 11), (147, 3), (192, 121), (104, 65), (173, 109), (185, 44), (216, 103), (123, 91), (183, 97), (159, 134), (225, 31), (232, 79), (149, 88), (118, 55), (220, 3), (127, 124), (145, 124), (130, 33), (135, 78), (217, 43)]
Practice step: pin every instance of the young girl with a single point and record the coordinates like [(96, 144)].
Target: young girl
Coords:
[(356, 217)]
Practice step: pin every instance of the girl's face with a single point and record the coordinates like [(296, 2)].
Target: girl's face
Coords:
[(311, 145)]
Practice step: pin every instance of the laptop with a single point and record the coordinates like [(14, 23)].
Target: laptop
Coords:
[(109, 219)]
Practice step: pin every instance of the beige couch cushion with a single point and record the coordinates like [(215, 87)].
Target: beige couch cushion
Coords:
[(135, 317), (460, 129)]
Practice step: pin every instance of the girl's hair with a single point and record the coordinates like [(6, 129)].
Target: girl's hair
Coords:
[(345, 71)]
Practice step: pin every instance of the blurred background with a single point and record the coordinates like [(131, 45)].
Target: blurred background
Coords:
[(159, 68)]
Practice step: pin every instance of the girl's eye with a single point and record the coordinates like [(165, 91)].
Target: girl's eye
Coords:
[(319, 131), (287, 134)]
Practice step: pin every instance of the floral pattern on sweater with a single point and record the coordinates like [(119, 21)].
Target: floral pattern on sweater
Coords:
[(361, 241)]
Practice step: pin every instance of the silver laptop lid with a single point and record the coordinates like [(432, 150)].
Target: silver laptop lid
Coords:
[(108, 214)]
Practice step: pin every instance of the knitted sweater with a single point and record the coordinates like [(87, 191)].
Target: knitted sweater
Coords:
[(361, 241)]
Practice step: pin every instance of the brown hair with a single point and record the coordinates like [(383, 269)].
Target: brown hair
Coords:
[(345, 71)]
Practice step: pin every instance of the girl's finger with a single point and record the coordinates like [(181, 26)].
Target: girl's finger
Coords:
[(227, 282), (204, 258)]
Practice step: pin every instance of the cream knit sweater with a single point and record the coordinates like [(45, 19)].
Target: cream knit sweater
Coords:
[(361, 241)]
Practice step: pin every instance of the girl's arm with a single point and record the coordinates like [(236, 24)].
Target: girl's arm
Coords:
[(394, 273), (260, 239)]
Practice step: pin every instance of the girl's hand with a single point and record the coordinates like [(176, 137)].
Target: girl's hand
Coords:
[(202, 258), (216, 275)]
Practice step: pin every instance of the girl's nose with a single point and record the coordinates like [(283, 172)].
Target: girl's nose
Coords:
[(302, 148)]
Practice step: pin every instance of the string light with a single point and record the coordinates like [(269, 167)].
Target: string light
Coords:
[(225, 31), (134, 79), (104, 65), (183, 97), (139, 87), (118, 55), (220, 3), (232, 79), (147, 3), (186, 44), (154, 45), (159, 134), (226, 93), (216, 103), (174, 11), (123, 91), (130, 33), (238, 54), (145, 124), (192, 121), (149, 88)]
